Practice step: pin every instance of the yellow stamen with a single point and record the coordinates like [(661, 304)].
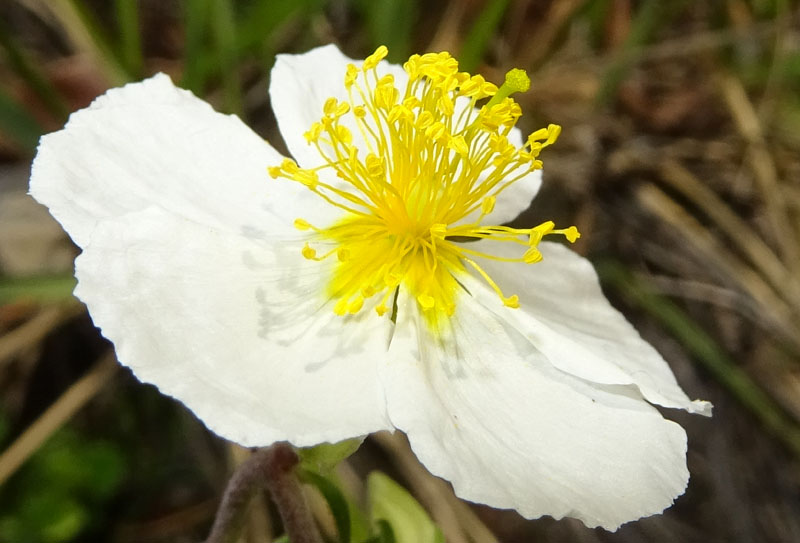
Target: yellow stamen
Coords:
[(426, 174)]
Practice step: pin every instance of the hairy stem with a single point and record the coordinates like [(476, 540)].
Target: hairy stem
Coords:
[(271, 468)]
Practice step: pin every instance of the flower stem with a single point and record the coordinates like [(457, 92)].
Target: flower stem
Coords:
[(271, 468)]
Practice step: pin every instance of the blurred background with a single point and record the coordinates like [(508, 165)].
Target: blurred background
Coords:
[(678, 162)]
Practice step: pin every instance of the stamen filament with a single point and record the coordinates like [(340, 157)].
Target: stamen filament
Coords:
[(429, 164)]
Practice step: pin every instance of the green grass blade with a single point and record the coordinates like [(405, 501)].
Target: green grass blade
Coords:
[(87, 35), (130, 36), (26, 69), (260, 20), (18, 124), (484, 27), (196, 16), (652, 15), (705, 351), (223, 27), (39, 289), (390, 23)]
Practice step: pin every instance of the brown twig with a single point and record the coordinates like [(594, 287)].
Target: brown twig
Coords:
[(760, 160), (83, 390), (739, 232), (773, 310), (34, 330)]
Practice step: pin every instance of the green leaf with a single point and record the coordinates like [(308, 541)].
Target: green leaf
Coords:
[(385, 532), (477, 40), (93, 469), (324, 457), (48, 516), (336, 501), (390, 502)]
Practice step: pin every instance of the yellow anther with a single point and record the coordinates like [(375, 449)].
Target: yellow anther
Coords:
[(350, 75), (553, 131), (329, 108), (538, 232), (289, 166), (532, 256), (274, 171), (487, 206), (424, 120), (368, 291), (549, 135), (386, 95), (445, 105), (341, 307), (400, 113), (472, 86), (437, 131), (313, 133), (488, 89), (511, 301), (344, 135), (302, 224), (381, 309), (308, 178), (374, 166), (342, 109), (426, 301), (459, 145), (343, 254), (372, 61), (360, 112), (392, 279), (309, 252), (356, 305), (411, 102)]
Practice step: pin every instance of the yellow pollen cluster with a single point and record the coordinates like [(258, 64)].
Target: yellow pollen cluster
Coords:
[(425, 172)]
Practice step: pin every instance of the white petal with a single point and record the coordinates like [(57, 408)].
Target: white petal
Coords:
[(299, 87), (485, 410), (515, 198), (238, 329), (518, 196), (151, 143), (566, 316)]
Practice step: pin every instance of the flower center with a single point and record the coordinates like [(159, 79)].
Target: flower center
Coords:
[(425, 173)]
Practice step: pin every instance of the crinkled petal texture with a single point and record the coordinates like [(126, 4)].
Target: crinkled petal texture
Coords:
[(565, 315), (486, 409), (190, 265), (300, 85)]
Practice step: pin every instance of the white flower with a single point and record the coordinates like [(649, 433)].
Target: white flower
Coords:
[(213, 284)]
